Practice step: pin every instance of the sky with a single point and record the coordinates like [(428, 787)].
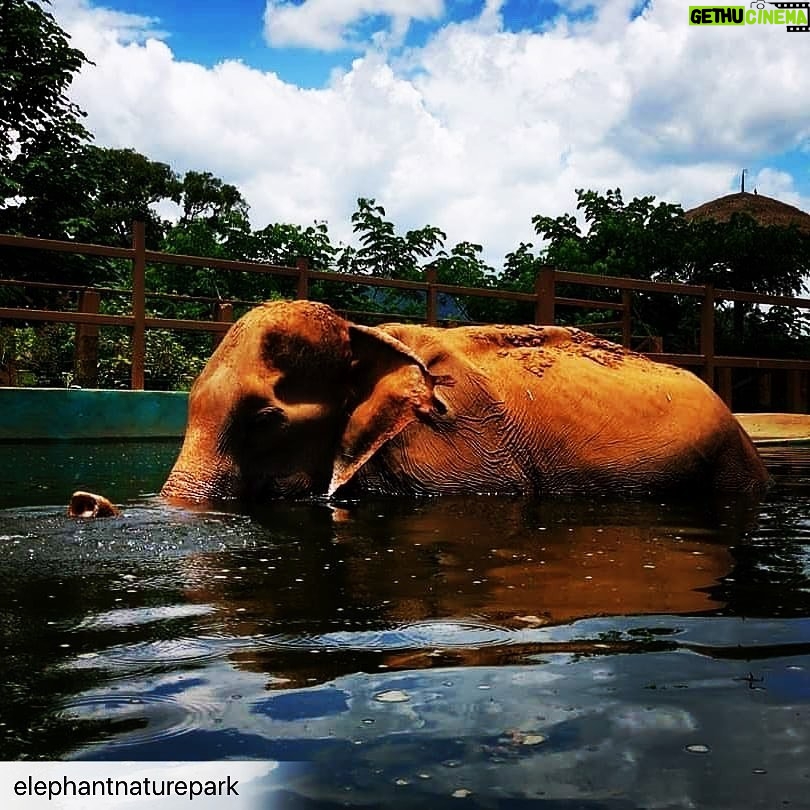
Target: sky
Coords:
[(469, 115)]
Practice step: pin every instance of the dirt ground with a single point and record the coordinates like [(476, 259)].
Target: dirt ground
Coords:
[(771, 428)]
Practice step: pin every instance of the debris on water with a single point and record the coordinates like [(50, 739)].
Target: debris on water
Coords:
[(517, 737), (532, 620), (698, 748), (533, 739), (392, 696)]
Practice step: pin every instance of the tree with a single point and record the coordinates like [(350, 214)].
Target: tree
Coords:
[(121, 186), (40, 128), (284, 243), (638, 239), (214, 222), (385, 253), (645, 240), (463, 266), (741, 254)]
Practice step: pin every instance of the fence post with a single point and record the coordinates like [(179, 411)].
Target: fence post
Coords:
[(544, 290), (765, 390), (223, 313), (302, 263), (725, 385), (797, 391), (627, 318), (138, 305), (707, 334), (432, 299), (85, 354)]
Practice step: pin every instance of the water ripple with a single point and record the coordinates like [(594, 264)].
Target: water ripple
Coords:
[(465, 633), (415, 635), (169, 652), (135, 719), (127, 617)]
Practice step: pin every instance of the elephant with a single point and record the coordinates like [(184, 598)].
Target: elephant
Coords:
[(296, 401)]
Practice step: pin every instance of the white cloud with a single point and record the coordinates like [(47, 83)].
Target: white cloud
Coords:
[(329, 25), (81, 18), (777, 184), (474, 132)]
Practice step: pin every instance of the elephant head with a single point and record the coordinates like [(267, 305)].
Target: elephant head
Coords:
[(293, 402)]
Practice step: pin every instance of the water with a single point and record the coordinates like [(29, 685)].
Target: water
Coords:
[(478, 652)]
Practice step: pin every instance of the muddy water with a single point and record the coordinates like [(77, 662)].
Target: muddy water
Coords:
[(579, 653)]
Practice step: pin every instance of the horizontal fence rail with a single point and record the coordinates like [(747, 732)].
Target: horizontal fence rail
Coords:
[(715, 369)]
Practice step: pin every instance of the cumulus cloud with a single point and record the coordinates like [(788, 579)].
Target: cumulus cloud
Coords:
[(475, 131), (328, 25)]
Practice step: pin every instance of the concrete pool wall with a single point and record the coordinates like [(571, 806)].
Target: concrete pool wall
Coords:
[(78, 414)]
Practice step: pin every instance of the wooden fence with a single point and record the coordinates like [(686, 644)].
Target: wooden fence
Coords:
[(715, 369)]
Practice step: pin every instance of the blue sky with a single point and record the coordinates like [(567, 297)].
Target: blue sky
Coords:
[(471, 115), (214, 30)]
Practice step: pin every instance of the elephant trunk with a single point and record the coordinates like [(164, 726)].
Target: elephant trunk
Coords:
[(199, 477), (182, 485)]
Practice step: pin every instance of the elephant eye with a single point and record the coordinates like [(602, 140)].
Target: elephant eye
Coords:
[(270, 417)]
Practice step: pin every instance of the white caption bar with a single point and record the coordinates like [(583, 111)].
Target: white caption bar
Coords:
[(242, 785)]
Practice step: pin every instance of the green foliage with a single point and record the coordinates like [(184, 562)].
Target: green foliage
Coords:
[(645, 240), (121, 186), (283, 244), (38, 356), (742, 255), (40, 129), (37, 66), (464, 267), (383, 252), (207, 198), (169, 364), (638, 239)]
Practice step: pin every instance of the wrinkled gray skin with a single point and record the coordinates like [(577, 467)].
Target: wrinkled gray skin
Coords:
[(296, 401)]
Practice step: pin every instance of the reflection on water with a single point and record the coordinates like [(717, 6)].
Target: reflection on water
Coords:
[(496, 650)]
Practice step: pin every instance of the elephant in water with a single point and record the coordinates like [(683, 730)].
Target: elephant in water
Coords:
[(297, 401)]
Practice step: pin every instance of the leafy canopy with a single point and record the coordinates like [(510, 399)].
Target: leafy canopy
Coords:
[(39, 125)]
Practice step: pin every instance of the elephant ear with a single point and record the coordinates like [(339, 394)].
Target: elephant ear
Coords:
[(392, 389)]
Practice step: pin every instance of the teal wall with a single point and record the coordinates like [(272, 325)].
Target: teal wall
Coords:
[(61, 413)]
